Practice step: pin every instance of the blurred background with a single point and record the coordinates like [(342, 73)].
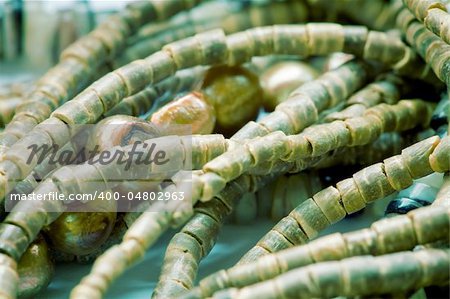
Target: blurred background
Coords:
[(35, 32)]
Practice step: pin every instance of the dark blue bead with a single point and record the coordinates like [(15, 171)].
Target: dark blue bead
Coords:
[(404, 205)]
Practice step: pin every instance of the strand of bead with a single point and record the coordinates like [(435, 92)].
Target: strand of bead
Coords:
[(387, 145), (27, 185), (152, 38), (7, 108), (217, 11), (113, 262), (71, 179), (414, 155), (174, 273), (98, 281), (91, 104), (388, 235), (197, 14), (168, 288), (429, 46), (196, 188), (433, 14), (332, 156), (375, 14), (73, 72), (255, 155), (260, 15), (114, 131), (288, 192), (30, 181), (387, 89), (350, 195), (280, 197), (142, 101), (213, 48), (179, 278), (213, 38), (423, 192), (355, 276), (327, 85), (167, 272), (78, 149), (27, 218), (134, 105), (44, 168), (288, 109), (420, 9), (196, 239)]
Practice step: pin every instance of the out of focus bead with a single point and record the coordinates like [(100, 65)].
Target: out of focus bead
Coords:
[(235, 94), (279, 80)]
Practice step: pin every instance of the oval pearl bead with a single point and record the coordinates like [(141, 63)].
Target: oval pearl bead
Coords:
[(121, 130), (81, 233), (191, 109)]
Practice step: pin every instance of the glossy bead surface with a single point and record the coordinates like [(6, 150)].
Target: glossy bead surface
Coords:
[(280, 79), (121, 130), (35, 269), (81, 233), (235, 94), (191, 109)]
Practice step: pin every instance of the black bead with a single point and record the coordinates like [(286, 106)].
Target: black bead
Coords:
[(404, 205), (438, 120)]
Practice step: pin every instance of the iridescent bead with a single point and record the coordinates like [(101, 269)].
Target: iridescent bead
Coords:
[(235, 94), (121, 130), (191, 109), (81, 233)]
